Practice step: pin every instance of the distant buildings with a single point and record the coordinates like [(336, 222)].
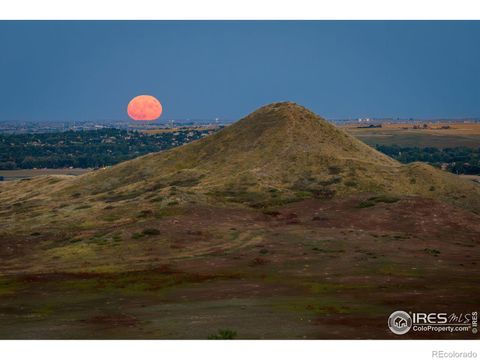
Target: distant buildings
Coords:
[(360, 120), (370, 126)]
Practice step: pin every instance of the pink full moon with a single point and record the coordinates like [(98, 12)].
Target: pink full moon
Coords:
[(144, 107)]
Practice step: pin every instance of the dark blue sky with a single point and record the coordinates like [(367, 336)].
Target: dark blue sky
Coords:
[(90, 70)]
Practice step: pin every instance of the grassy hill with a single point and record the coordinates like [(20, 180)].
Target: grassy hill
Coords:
[(278, 154), (281, 152)]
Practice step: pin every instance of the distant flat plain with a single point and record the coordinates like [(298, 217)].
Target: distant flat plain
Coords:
[(457, 134)]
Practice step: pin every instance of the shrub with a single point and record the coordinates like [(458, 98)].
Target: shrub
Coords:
[(85, 206), (434, 252), (377, 199), (334, 170), (365, 204), (185, 182), (384, 199), (258, 261), (145, 213), (330, 181), (350, 183), (271, 212), (223, 335), (324, 193), (151, 231)]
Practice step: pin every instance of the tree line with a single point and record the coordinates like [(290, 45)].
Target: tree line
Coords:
[(85, 149), (459, 160), (105, 147)]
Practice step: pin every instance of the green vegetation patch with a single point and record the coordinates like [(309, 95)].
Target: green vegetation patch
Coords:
[(258, 199), (84, 206), (150, 231), (434, 252), (223, 335), (169, 211), (120, 197), (377, 199), (185, 182), (9, 286), (328, 251)]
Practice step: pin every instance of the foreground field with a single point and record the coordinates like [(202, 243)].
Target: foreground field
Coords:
[(312, 269)]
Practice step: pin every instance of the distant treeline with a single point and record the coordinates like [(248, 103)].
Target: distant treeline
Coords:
[(459, 160), (85, 149), (104, 147)]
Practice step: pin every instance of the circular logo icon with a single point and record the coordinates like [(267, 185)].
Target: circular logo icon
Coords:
[(399, 322)]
